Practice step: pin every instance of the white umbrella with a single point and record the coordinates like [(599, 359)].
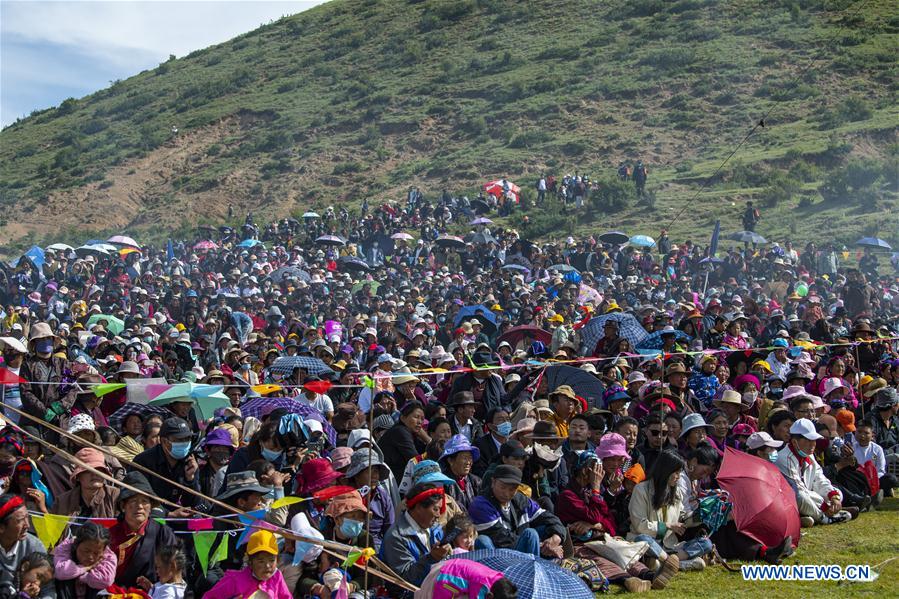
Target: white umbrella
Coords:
[(403, 236), (123, 240), (60, 247), (86, 250)]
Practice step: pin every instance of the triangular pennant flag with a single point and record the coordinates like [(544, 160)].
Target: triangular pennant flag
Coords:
[(286, 501), (49, 528), (8, 377), (369, 382), (202, 543), (107, 388), (320, 387), (105, 522), (160, 521), (362, 556)]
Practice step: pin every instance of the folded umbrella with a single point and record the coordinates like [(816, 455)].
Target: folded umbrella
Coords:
[(764, 504)]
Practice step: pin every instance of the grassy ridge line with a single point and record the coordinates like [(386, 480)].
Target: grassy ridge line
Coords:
[(358, 97)]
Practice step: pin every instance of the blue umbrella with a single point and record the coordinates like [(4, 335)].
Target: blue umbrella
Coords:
[(644, 241), (654, 340), (516, 267), (249, 243), (536, 578), (563, 268), (487, 318), (873, 242), (628, 328)]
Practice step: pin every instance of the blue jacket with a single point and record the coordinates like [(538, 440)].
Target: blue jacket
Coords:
[(404, 552)]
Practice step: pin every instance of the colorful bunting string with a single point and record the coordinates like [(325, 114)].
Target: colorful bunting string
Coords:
[(49, 528), (203, 543)]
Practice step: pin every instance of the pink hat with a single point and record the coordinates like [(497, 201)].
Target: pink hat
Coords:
[(832, 384), (340, 457), (612, 445)]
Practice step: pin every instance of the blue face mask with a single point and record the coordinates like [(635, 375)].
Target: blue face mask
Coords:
[(43, 346), (271, 455), (244, 367), (772, 457), (351, 528), (180, 450), (801, 453), (504, 428)]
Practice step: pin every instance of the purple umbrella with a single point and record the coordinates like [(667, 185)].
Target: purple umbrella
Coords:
[(481, 220), (258, 406)]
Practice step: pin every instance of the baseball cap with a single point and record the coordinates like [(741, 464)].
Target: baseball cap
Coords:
[(805, 428), (507, 474), (761, 439), (262, 541), (176, 428)]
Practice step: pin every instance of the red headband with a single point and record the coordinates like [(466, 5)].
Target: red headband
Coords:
[(13, 504), (413, 501)]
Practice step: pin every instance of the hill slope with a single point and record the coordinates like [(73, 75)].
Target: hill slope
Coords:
[(365, 97)]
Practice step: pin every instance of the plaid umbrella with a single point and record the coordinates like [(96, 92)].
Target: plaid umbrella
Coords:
[(118, 417), (257, 405), (285, 366), (535, 578), (628, 327), (654, 340)]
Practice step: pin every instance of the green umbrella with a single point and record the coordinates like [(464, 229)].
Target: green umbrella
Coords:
[(374, 286), (113, 325), (206, 398)]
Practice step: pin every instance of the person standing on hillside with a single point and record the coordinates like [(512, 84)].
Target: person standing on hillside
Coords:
[(640, 174), (751, 217), (541, 189)]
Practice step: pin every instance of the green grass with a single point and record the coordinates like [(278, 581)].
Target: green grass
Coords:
[(361, 98), (871, 539)]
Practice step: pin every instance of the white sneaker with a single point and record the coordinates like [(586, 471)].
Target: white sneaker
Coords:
[(697, 564), (841, 516)]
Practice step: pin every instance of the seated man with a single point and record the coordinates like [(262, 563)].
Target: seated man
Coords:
[(819, 501), (505, 518)]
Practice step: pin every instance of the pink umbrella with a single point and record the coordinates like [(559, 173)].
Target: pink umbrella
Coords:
[(205, 245), (764, 503)]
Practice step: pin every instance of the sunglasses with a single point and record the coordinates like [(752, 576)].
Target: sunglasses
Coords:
[(656, 432)]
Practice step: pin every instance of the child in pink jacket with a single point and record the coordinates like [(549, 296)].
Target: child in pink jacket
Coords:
[(260, 574), (84, 563)]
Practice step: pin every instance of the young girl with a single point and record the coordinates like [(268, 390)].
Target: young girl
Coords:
[(260, 575), (84, 563), (460, 533), (170, 570), (35, 571)]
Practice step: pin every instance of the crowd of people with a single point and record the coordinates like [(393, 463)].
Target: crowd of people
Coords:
[(200, 419)]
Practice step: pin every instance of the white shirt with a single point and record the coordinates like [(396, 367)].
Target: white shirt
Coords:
[(873, 452), (322, 403)]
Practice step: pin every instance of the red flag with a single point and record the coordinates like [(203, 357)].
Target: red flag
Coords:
[(319, 387), (7, 377)]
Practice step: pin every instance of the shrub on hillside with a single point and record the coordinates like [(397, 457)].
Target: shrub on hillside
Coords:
[(613, 195)]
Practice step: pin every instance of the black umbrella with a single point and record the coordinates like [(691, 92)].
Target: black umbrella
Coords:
[(450, 241), (482, 238), (480, 206), (614, 237), (353, 263), (584, 384), (747, 237)]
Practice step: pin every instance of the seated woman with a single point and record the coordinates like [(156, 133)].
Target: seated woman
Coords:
[(458, 457), (656, 507), (136, 537), (583, 510)]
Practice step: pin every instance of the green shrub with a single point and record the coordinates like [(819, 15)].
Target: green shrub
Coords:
[(613, 195)]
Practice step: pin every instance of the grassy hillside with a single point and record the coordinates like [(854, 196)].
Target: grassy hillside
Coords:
[(365, 97)]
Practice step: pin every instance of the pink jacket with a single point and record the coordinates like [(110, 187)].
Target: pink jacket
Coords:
[(99, 577), (240, 583), (457, 578)]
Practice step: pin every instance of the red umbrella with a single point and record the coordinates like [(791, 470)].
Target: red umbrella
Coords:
[(516, 334), (495, 188), (764, 503)]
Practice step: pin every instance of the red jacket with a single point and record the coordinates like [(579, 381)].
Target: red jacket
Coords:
[(578, 504)]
